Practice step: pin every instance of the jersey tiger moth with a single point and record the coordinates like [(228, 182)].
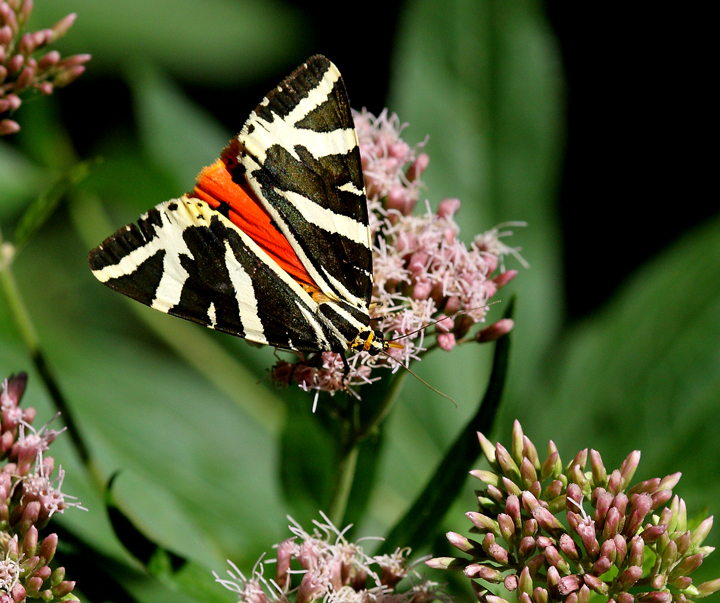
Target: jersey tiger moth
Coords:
[(273, 243)]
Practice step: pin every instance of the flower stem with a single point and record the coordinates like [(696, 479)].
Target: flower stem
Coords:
[(344, 477), (27, 331)]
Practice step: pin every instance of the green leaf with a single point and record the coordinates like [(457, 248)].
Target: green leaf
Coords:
[(42, 208), (179, 136), (214, 41), (307, 458), (157, 560), (417, 528), (20, 181)]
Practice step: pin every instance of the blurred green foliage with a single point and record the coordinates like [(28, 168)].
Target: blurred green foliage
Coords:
[(179, 410)]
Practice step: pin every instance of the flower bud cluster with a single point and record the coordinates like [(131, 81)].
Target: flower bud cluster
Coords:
[(26, 65), (28, 498), (329, 568), (626, 538), (424, 276)]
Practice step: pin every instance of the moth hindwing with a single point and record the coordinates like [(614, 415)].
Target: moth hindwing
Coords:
[(273, 243)]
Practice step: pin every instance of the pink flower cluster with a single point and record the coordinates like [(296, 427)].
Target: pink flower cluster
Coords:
[(627, 547), (424, 276), (24, 64), (28, 499), (332, 570)]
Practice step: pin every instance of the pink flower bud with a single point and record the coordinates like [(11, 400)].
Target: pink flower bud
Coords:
[(511, 582), (8, 16), (507, 527), (649, 485), (598, 469), (596, 584), (527, 472), (587, 535), (540, 595), (24, 79), (637, 551), (602, 565), (701, 532), (8, 126), (620, 502), (687, 566), (530, 527), (504, 278), (61, 27), (462, 542), (620, 550), (495, 331), (569, 548), (483, 522), (30, 541), (446, 341), (554, 489), (629, 466), (452, 305), (682, 582), (498, 553), (48, 60), (416, 169), (506, 462), (612, 523), (552, 465), (569, 584), (615, 482), (555, 559), (75, 60), (526, 547), (18, 592), (629, 577), (660, 498), (603, 500), (709, 588), (512, 508), (26, 45), (68, 76), (525, 582), (284, 555), (448, 208), (45, 88), (477, 570), (15, 63), (655, 597), (652, 533), (25, 11), (641, 504)]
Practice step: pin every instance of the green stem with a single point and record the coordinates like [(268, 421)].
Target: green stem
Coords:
[(383, 409), (27, 331), (345, 471), (344, 477)]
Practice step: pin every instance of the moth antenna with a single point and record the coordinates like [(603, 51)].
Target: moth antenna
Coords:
[(434, 322), (421, 380)]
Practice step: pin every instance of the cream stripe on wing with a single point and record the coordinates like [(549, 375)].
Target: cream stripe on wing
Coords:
[(245, 295), (328, 220)]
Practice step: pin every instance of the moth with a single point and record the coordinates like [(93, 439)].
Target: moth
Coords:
[(273, 243)]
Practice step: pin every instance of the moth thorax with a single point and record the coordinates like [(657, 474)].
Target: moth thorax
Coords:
[(370, 341)]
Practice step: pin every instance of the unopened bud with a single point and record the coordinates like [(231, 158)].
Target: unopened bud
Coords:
[(8, 126), (495, 331), (61, 27)]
